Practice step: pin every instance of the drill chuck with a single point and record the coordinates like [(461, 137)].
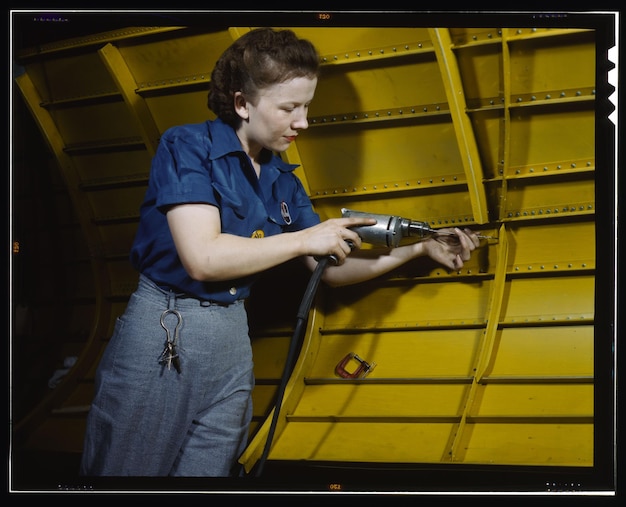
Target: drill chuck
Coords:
[(389, 230)]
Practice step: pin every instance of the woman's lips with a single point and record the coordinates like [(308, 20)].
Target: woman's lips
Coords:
[(290, 138)]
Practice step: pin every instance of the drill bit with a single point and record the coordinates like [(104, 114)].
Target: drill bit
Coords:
[(479, 236)]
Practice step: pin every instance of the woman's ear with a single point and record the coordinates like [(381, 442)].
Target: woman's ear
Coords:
[(241, 105)]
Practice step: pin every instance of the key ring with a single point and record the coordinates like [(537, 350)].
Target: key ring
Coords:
[(165, 314), (169, 356)]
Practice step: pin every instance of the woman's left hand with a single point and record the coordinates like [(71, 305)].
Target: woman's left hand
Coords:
[(453, 248)]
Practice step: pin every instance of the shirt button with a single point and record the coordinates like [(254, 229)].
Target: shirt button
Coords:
[(233, 291)]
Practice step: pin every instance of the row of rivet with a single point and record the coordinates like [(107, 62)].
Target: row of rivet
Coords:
[(548, 96), (558, 167), (555, 266), (566, 209), (419, 46), (372, 115), (175, 81), (475, 38), (532, 97), (385, 186), (436, 108), (547, 319), (90, 39), (489, 35), (583, 265)]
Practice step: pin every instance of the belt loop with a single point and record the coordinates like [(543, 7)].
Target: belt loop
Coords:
[(171, 300)]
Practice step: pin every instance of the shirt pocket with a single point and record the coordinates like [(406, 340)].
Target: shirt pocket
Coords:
[(231, 203), (242, 215)]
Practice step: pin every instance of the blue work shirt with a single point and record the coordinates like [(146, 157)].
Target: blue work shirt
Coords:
[(205, 163)]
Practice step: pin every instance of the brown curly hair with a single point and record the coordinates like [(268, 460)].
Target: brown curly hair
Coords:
[(258, 59)]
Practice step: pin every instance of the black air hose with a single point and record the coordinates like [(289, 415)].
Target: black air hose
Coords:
[(294, 346)]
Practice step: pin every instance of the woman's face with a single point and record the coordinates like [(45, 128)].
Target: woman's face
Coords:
[(278, 113)]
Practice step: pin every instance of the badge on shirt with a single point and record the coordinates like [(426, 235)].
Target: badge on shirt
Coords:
[(284, 211), (258, 234)]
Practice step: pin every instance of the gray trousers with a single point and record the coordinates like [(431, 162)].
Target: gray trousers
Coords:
[(149, 420)]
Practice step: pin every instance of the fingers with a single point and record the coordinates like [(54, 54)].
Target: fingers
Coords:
[(473, 237), (335, 238), (469, 242), (457, 263), (356, 221), (457, 249)]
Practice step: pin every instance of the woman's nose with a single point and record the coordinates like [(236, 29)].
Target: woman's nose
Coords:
[(300, 121)]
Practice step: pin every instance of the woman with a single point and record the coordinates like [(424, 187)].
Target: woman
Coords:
[(173, 389)]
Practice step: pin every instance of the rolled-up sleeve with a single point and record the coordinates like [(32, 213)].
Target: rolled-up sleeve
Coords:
[(181, 169)]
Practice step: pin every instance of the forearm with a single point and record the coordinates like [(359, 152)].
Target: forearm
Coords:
[(227, 256), (365, 265)]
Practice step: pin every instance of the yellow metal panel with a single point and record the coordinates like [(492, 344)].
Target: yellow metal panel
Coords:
[(377, 86), (550, 64), (170, 110), (370, 402), (270, 354), (562, 136), (555, 444), (552, 247), (480, 69), (263, 399), (403, 354), (549, 352), (551, 298), (184, 56), (358, 442), (95, 123), (423, 305), (343, 158), (547, 400), (113, 167)]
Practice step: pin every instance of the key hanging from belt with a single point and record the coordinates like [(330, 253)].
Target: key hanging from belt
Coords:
[(169, 356)]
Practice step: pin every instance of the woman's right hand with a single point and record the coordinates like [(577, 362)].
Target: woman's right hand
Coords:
[(333, 237)]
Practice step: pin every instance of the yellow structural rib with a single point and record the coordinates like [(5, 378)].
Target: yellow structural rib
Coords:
[(462, 125), (127, 86), (487, 353)]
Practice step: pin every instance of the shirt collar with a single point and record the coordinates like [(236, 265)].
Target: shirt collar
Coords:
[(225, 141)]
